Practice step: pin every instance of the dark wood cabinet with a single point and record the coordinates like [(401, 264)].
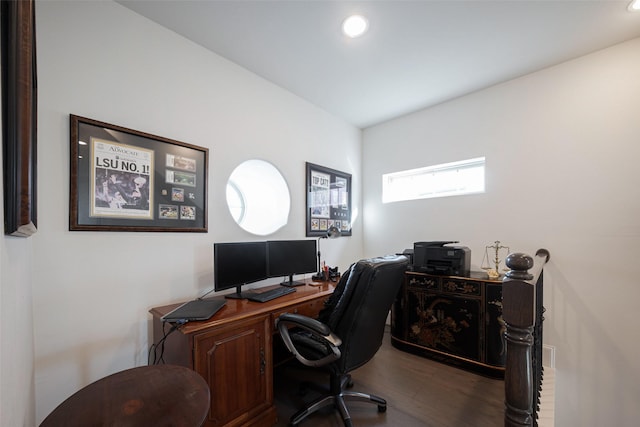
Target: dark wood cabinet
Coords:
[(456, 320), (233, 360), (234, 352)]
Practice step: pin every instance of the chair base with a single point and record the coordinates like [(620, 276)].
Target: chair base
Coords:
[(338, 400)]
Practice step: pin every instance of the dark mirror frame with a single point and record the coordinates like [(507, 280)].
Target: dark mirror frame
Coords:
[(19, 117)]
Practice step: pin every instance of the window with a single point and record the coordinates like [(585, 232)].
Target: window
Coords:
[(448, 179)]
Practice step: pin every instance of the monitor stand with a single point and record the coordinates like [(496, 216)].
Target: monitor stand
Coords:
[(239, 294), (291, 283)]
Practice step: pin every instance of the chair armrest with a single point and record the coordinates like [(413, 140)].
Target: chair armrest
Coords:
[(308, 323), (319, 331)]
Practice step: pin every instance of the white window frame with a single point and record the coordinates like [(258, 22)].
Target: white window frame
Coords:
[(443, 180)]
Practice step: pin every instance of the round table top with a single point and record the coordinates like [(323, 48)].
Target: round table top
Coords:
[(158, 395)]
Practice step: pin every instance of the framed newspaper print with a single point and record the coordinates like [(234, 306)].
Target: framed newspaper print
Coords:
[(126, 180), (328, 200)]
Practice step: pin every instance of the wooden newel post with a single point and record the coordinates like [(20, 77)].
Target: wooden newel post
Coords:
[(518, 302)]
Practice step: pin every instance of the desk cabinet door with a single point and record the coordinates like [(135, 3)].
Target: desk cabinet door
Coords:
[(233, 361)]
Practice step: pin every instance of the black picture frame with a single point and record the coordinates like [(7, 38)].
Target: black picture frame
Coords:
[(126, 180), (19, 117), (328, 200)]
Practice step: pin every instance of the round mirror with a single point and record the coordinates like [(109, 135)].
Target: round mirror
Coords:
[(258, 197)]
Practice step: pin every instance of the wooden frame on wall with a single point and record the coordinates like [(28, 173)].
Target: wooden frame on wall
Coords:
[(19, 117), (328, 200), (126, 180)]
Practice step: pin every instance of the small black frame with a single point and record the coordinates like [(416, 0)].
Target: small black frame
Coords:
[(328, 200), (126, 180)]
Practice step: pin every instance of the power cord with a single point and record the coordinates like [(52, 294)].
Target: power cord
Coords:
[(160, 344)]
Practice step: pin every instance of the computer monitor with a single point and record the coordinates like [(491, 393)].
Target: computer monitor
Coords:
[(237, 264), (290, 257)]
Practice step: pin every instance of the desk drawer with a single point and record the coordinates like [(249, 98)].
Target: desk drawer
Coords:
[(309, 309)]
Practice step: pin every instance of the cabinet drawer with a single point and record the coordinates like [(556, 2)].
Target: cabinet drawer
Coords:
[(423, 282), (461, 286), (309, 309)]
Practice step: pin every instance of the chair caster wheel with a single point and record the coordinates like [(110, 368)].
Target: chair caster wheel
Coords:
[(382, 408)]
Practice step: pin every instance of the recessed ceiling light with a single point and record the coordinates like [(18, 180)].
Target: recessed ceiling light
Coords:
[(355, 26), (634, 6)]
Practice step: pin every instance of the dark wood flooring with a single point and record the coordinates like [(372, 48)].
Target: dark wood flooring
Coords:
[(419, 392)]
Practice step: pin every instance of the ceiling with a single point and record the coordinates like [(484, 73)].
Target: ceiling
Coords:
[(416, 54)]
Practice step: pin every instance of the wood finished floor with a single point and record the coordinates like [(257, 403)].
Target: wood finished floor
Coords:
[(419, 392)]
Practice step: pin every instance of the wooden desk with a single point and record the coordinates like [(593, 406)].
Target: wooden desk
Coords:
[(233, 351), (161, 395)]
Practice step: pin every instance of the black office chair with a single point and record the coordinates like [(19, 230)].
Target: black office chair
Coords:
[(348, 332)]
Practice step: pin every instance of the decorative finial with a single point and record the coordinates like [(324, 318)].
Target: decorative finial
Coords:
[(519, 264)]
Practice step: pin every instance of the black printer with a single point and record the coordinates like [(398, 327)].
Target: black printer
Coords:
[(438, 258)]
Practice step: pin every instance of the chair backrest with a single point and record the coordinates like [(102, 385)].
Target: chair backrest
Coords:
[(360, 307)]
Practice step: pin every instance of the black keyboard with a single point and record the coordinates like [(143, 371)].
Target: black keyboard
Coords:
[(271, 294)]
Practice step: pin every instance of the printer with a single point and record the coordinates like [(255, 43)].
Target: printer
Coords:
[(439, 258)]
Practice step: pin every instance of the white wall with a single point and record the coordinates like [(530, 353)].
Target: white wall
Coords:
[(92, 290), (16, 332), (562, 159), (17, 407)]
